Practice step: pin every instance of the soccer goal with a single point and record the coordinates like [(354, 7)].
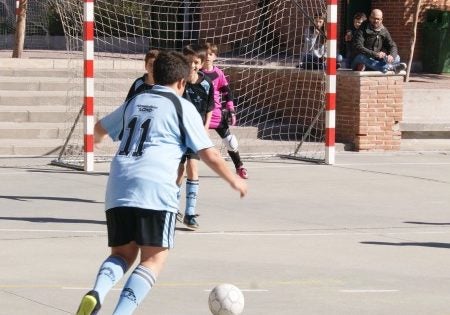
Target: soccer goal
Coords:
[(283, 109)]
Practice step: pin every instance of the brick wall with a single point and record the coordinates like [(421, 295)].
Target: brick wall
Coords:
[(283, 102), (398, 18), (369, 110)]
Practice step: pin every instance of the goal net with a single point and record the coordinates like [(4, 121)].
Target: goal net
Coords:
[(280, 105)]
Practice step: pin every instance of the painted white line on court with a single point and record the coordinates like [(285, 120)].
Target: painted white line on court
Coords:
[(369, 291), (296, 165), (86, 289), (119, 289), (51, 231), (393, 163), (343, 233), (245, 290), (377, 232)]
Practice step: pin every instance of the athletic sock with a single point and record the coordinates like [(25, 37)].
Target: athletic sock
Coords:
[(191, 196), (135, 290), (110, 272), (179, 193), (236, 158)]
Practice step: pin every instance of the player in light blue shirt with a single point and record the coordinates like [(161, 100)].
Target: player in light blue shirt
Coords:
[(155, 128), (151, 147)]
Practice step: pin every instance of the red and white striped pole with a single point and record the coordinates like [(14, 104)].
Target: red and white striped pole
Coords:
[(88, 53), (17, 9), (330, 109)]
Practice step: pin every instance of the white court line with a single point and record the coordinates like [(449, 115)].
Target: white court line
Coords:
[(51, 231), (313, 234), (86, 289), (379, 231), (295, 165), (118, 289), (245, 290), (393, 163), (369, 291)]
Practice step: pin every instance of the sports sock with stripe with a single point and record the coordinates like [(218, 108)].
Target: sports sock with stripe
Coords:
[(191, 196), (110, 272), (135, 290)]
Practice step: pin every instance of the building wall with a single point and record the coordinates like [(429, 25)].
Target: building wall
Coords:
[(399, 19)]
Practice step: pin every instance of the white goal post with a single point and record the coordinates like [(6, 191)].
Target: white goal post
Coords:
[(283, 109)]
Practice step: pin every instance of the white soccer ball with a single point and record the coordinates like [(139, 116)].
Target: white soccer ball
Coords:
[(226, 299)]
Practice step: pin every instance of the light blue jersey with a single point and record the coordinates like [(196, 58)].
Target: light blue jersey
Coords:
[(153, 139)]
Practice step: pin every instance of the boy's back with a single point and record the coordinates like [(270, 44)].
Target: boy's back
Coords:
[(143, 172)]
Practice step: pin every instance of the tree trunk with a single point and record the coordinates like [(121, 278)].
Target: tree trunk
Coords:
[(413, 42), (20, 29)]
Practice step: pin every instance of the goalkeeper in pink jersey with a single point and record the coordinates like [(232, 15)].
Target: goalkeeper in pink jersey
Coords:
[(221, 117)]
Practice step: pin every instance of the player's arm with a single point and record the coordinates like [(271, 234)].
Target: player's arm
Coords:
[(210, 105), (228, 96), (100, 133), (229, 104), (208, 120), (214, 160), (225, 91), (111, 125)]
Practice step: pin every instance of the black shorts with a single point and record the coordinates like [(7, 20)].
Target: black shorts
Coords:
[(189, 155), (223, 130), (145, 227)]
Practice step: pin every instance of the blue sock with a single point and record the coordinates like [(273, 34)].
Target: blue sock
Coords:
[(133, 293), (191, 196), (111, 271)]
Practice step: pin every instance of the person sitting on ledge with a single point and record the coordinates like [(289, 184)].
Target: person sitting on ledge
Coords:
[(373, 47)]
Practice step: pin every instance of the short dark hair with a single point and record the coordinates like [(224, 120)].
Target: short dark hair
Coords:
[(170, 67), (360, 15), (211, 47), (320, 16), (195, 50), (152, 53)]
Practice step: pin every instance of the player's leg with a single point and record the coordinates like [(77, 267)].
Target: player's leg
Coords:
[(192, 185), (231, 143), (120, 223), (142, 279), (181, 169), (154, 234), (179, 181)]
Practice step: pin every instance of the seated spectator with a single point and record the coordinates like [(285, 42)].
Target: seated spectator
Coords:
[(373, 47), (314, 47), (358, 19)]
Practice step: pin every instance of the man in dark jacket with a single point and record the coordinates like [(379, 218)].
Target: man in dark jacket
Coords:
[(374, 48)]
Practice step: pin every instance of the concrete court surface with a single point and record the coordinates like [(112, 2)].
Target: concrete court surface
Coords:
[(369, 235)]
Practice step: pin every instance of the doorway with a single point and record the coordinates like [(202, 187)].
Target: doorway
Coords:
[(349, 8)]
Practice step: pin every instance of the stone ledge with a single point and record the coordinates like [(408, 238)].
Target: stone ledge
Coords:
[(425, 126), (349, 72)]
